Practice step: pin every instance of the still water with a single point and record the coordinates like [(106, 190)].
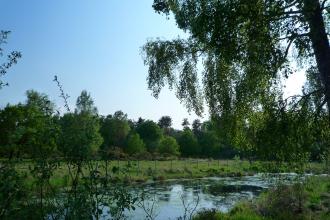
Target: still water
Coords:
[(172, 199)]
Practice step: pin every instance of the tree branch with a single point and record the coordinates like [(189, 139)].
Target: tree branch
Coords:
[(319, 108), (294, 36), (62, 95), (291, 12), (290, 5), (288, 47), (323, 5), (302, 97)]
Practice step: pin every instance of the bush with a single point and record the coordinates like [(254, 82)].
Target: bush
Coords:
[(168, 146), (13, 191), (135, 144), (284, 202), (209, 215), (116, 153), (242, 211)]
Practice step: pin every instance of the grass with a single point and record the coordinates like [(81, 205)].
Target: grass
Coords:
[(141, 171), (242, 211), (134, 171), (308, 201)]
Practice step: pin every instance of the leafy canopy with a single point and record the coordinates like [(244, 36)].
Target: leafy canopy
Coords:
[(236, 57), (245, 48)]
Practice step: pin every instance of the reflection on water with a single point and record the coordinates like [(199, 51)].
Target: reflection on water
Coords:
[(170, 198)]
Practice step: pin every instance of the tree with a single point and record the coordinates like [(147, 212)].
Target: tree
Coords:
[(80, 137), (188, 144), (165, 122), (185, 123), (197, 127), (120, 115), (29, 128), (151, 134), (140, 121), (40, 126), (247, 49), (85, 104), (40, 102), (12, 119), (134, 144), (248, 41), (169, 146), (209, 143), (114, 130)]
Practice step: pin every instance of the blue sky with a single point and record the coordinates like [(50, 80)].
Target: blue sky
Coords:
[(89, 44), (93, 45)]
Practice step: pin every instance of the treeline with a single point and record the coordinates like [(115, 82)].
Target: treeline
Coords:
[(36, 128)]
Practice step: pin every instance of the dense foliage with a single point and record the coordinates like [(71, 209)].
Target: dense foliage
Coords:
[(33, 129), (236, 57)]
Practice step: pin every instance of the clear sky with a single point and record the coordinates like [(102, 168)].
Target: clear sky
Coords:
[(93, 45), (90, 44)]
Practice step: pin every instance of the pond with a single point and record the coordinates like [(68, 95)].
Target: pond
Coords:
[(172, 199)]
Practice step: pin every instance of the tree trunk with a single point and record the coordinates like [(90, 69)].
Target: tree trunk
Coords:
[(313, 13)]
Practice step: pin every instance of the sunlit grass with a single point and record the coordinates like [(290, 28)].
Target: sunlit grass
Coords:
[(137, 171)]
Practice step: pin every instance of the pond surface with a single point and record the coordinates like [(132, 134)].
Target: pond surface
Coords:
[(170, 199)]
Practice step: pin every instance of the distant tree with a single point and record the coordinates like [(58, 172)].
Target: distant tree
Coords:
[(80, 137), (197, 127), (185, 123), (209, 143), (134, 144), (209, 125), (169, 146), (132, 124), (85, 104), (41, 128), (165, 122), (114, 130), (188, 144), (40, 102), (120, 115), (29, 128), (175, 133), (140, 121), (12, 128), (151, 134)]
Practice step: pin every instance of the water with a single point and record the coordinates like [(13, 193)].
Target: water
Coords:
[(170, 199)]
